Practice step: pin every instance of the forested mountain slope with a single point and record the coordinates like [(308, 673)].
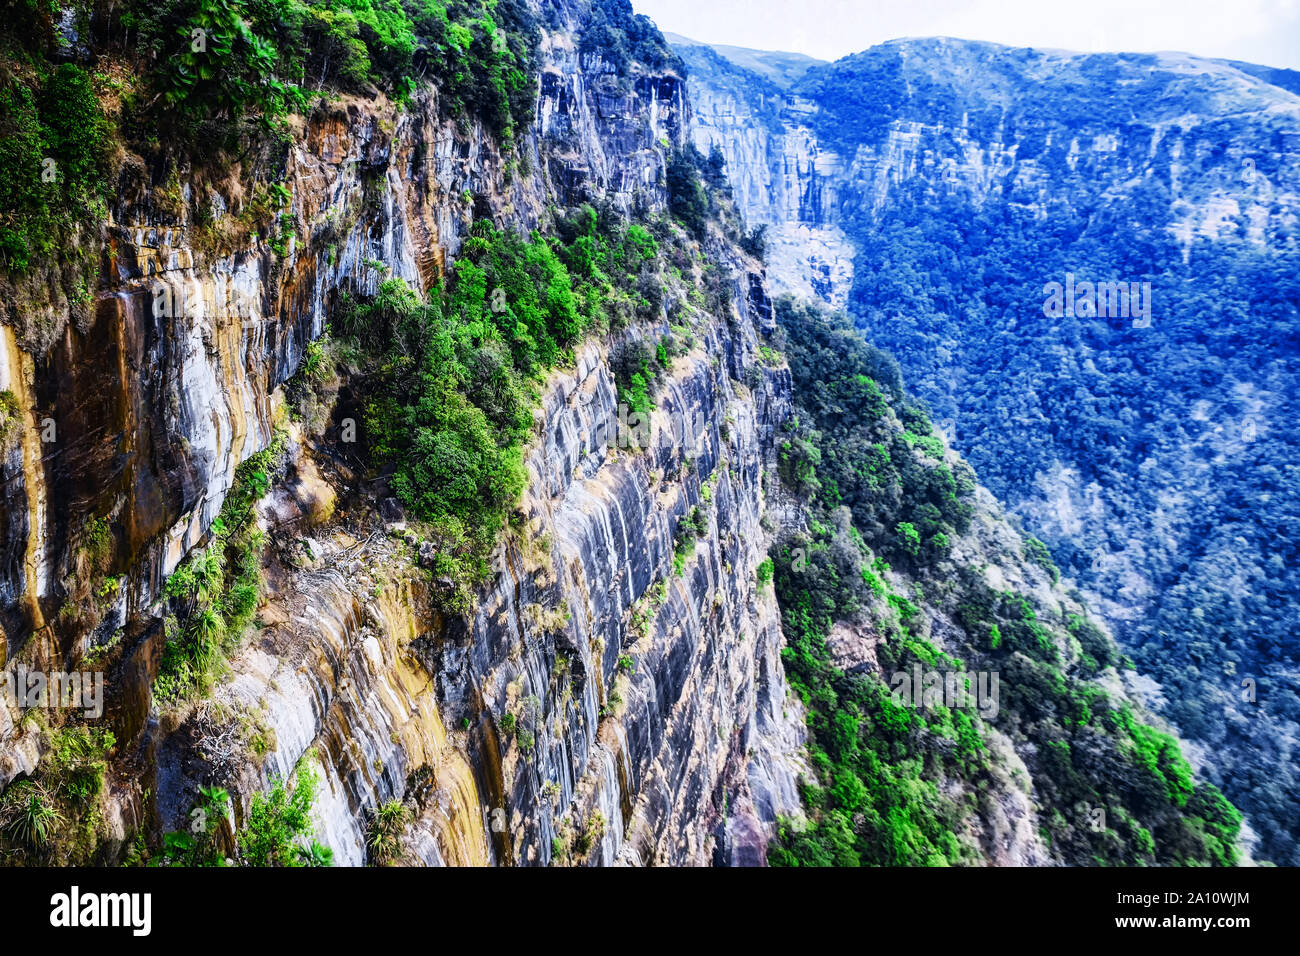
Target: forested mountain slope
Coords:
[(908, 569), (1150, 448)]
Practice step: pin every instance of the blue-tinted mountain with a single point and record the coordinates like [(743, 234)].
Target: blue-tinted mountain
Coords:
[(935, 188)]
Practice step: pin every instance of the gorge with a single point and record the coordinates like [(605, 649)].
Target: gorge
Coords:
[(937, 188), (442, 470)]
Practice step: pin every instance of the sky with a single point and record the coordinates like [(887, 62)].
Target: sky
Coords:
[(1259, 31)]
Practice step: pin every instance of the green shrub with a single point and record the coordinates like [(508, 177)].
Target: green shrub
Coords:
[(454, 376), (197, 845), (55, 817), (624, 38), (483, 54), (384, 833), (909, 539), (687, 199), (279, 820), (216, 591), (1038, 553), (27, 816), (53, 162)]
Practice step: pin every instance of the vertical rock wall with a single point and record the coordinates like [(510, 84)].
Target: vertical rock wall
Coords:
[(171, 383)]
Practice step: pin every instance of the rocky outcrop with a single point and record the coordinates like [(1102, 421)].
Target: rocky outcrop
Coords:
[(658, 725), (652, 701), (781, 176)]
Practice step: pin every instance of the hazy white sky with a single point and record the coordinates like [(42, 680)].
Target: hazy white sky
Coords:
[(1261, 31)]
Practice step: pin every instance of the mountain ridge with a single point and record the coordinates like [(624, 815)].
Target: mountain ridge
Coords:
[(932, 188)]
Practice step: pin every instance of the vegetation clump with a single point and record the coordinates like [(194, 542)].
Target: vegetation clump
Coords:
[(452, 377), (55, 817), (624, 38), (215, 592)]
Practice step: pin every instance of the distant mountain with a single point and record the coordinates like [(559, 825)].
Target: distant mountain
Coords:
[(936, 188), (1286, 79), (781, 69)]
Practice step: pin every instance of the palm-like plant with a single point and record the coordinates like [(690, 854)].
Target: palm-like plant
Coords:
[(315, 855), (385, 832), (209, 575), (28, 817), (205, 629)]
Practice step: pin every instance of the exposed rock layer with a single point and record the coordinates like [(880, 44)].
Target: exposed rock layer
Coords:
[(173, 384)]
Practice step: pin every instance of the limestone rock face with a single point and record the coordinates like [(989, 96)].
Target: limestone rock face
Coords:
[(781, 175), (659, 728)]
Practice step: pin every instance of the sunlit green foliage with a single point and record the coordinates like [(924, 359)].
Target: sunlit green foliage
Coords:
[(56, 816), (215, 592), (198, 844), (882, 791), (258, 60), (53, 160), (456, 374), (278, 831)]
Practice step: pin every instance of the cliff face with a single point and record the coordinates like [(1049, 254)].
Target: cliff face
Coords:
[(613, 689), (659, 730), (155, 402), (782, 176)]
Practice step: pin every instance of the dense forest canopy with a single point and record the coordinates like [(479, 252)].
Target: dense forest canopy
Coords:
[(1155, 457)]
